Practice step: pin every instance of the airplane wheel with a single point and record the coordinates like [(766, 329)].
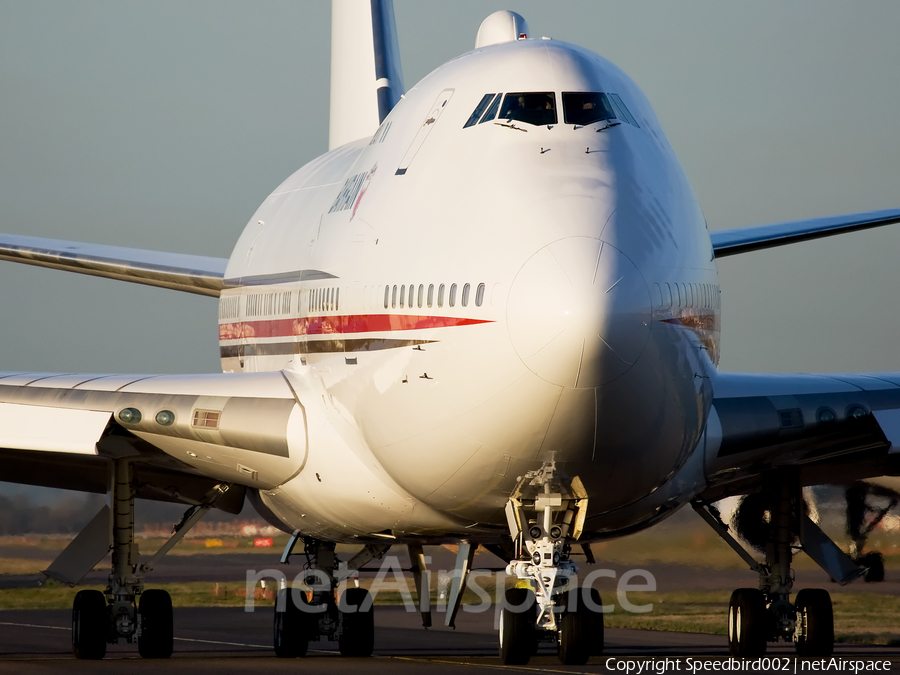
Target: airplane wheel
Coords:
[(815, 623), (575, 633), (155, 640), (291, 625), (90, 625), (875, 562), (596, 625), (358, 633), (517, 635), (748, 623)]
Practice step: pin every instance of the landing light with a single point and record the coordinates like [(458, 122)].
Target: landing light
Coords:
[(535, 532), (165, 417), (130, 415)]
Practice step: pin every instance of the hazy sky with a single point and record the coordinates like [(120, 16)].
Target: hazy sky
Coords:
[(164, 124)]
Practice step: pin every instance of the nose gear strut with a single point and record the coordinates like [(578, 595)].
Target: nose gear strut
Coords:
[(545, 513)]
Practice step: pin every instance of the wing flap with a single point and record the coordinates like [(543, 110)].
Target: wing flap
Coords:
[(746, 239), (177, 271)]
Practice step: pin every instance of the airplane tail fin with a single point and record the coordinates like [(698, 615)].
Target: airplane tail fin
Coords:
[(366, 77)]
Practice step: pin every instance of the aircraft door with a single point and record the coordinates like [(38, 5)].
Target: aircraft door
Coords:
[(430, 120)]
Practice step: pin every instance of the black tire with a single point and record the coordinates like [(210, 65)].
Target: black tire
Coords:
[(875, 562), (574, 631), (749, 623), (518, 641), (90, 625), (357, 625), (815, 623), (292, 625), (155, 640), (596, 626)]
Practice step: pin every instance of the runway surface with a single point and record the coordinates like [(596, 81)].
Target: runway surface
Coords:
[(229, 640)]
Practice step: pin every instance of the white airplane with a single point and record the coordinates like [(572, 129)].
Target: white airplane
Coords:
[(489, 315)]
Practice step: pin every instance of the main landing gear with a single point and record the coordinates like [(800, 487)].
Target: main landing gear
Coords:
[(757, 616), (303, 616), (862, 518), (124, 611), (545, 513)]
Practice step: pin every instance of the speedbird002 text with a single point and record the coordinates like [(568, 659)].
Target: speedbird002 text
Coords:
[(547, 379)]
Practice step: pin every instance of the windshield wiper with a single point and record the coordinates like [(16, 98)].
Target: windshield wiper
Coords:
[(608, 126), (510, 125)]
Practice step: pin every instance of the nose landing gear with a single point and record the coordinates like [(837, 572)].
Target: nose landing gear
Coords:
[(545, 513)]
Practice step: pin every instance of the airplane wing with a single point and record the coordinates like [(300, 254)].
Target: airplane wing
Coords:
[(178, 271), (745, 239), (834, 428), (183, 435)]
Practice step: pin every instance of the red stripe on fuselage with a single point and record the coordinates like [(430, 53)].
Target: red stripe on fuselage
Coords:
[(331, 325)]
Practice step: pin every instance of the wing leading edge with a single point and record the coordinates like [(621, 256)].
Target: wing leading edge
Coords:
[(746, 239), (181, 434), (835, 428), (177, 271)]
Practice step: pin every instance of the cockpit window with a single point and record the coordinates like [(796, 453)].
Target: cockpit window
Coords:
[(530, 108), (585, 108), (492, 111), (624, 113), (479, 109)]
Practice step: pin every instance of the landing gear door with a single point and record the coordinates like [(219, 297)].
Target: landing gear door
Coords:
[(427, 125)]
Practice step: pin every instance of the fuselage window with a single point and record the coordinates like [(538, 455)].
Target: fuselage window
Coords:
[(337, 299), (412, 295), (465, 295), (658, 297), (585, 108), (394, 297), (452, 300), (441, 295), (623, 112), (492, 111), (531, 108), (479, 295), (421, 295), (402, 295), (667, 298), (387, 293), (479, 109), (430, 294)]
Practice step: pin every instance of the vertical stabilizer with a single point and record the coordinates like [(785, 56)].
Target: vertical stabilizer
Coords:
[(366, 78)]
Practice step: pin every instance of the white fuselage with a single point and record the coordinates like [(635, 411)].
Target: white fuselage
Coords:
[(585, 316)]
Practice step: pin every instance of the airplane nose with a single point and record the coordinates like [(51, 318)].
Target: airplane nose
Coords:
[(578, 313)]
